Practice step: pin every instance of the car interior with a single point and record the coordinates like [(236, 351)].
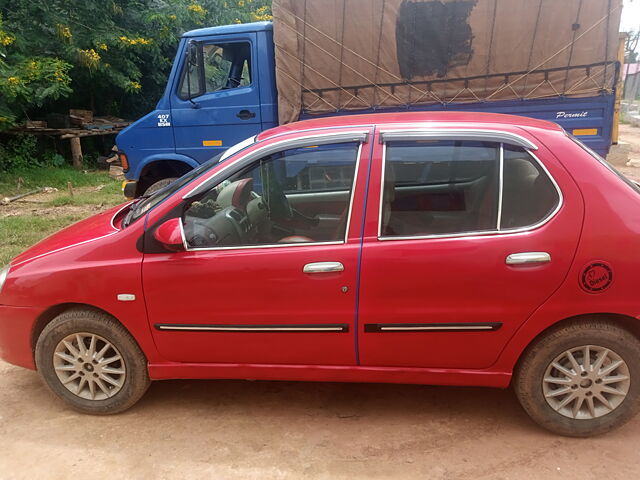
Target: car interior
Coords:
[(430, 188), (439, 187), (297, 196)]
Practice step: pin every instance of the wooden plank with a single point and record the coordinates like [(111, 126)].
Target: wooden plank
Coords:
[(76, 152)]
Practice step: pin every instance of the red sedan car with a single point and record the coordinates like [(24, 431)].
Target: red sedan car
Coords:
[(431, 248)]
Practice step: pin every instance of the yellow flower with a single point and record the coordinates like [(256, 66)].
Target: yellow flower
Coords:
[(135, 41), (261, 14), (89, 58), (241, 3), (103, 46), (6, 39), (172, 17), (13, 80), (63, 31), (33, 69), (199, 9), (135, 85)]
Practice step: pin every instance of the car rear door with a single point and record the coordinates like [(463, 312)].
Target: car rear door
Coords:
[(467, 233)]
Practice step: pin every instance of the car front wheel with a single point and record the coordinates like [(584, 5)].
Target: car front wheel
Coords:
[(581, 379), (91, 361)]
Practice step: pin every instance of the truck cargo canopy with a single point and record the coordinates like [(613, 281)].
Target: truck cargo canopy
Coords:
[(335, 55)]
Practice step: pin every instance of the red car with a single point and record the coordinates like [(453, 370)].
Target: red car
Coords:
[(430, 248)]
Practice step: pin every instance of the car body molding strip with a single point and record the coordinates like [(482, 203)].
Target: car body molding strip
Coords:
[(430, 327), (335, 327)]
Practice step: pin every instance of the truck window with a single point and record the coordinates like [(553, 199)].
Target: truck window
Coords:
[(219, 67)]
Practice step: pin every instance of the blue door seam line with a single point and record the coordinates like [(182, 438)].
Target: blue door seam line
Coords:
[(364, 215)]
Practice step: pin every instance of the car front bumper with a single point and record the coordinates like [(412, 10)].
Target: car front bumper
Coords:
[(16, 325)]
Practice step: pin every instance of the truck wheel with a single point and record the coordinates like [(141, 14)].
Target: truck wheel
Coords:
[(159, 185), (90, 360), (581, 379)]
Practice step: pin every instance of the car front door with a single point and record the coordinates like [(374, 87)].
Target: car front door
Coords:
[(471, 234), (262, 282), (225, 107)]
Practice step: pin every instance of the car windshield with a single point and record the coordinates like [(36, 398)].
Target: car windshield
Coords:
[(145, 204), (610, 167)]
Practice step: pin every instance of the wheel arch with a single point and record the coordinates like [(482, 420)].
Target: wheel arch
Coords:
[(158, 167), (629, 323), (52, 312)]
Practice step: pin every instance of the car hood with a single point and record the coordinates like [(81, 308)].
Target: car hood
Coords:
[(81, 232)]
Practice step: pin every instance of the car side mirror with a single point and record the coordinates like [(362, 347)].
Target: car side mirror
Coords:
[(192, 53), (169, 234)]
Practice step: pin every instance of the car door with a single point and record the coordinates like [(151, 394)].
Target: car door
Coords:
[(253, 287), (225, 107), (466, 235)]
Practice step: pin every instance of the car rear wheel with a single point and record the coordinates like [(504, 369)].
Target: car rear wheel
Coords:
[(90, 360), (581, 379)]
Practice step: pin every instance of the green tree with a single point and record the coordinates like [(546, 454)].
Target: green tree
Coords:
[(112, 56)]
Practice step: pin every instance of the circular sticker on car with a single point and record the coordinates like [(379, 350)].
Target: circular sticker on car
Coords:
[(596, 277)]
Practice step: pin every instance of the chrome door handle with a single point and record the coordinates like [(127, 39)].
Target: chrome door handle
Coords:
[(528, 257), (323, 267)]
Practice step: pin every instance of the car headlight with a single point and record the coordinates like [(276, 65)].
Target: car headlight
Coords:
[(3, 275)]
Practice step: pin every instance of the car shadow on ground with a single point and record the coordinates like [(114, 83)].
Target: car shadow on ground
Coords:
[(326, 402)]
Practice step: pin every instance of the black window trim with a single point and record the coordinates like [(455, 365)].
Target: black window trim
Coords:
[(477, 136)]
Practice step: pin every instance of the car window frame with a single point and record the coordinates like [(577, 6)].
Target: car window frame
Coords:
[(361, 136), (203, 92), (499, 137)]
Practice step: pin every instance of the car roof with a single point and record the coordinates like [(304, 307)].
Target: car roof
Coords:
[(389, 119), (228, 29)]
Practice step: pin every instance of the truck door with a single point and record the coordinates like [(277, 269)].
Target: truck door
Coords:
[(216, 102)]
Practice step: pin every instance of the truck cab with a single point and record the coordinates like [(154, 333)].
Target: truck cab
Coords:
[(221, 90)]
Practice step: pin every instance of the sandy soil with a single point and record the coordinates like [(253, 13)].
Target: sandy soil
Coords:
[(631, 135), (293, 430)]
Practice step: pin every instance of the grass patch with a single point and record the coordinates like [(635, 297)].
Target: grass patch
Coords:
[(109, 195), (56, 177), (20, 232)]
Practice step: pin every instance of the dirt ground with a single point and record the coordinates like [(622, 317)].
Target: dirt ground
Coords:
[(631, 135), (36, 205), (292, 430)]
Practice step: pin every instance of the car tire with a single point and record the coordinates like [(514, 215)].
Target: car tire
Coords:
[(93, 346), (159, 185), (546, 377)]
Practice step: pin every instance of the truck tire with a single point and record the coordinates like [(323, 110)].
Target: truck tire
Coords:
[(159, 185), (581, 379), (92, 362)]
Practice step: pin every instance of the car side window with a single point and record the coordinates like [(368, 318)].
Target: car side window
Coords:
[(439, 187), (529, 195), (278, 200), (219, 67)]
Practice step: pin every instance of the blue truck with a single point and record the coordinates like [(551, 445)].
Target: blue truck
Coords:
[(231, 82)]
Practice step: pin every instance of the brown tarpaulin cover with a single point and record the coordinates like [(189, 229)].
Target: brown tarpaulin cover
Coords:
[(358, 54)]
